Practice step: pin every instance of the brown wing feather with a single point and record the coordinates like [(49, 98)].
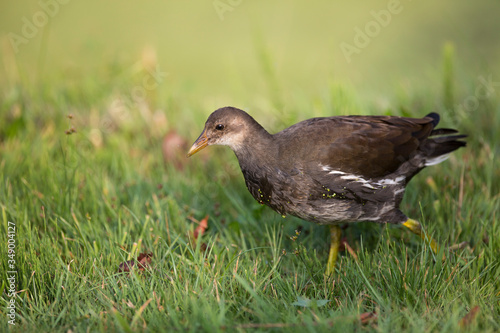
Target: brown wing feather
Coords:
[(371, 146)]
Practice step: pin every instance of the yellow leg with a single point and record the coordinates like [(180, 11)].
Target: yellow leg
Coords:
[(335, 233), (416, 228)]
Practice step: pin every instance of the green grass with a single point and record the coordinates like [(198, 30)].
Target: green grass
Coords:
[(85, 202), (91, 191)]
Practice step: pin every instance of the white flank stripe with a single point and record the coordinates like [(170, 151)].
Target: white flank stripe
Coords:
[(399, 191), (358, 179), (354, 177), (324, 167), (391, 181), (366, 183), (335, 172)]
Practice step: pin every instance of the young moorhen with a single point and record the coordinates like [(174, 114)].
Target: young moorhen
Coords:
[(333, 170)]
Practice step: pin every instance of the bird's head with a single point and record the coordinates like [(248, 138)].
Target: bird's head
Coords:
[(226, 126)]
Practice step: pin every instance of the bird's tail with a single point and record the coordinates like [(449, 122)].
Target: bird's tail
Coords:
[(441, 142)]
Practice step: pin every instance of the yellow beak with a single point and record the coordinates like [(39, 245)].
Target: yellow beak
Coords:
[(199, 144)]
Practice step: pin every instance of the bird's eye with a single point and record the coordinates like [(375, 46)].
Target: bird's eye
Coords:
[(219, 127)]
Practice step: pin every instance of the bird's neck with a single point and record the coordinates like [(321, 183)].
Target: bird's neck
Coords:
[(258, 149)]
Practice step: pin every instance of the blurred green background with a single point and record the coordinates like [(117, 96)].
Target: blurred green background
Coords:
[(225, 52)]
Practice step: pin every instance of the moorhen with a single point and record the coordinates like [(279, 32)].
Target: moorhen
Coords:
[(333, 170)]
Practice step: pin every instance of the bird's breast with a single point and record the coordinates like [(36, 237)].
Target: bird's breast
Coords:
[(271, 187)]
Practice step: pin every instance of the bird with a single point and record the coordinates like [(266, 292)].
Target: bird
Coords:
[(333, 170)]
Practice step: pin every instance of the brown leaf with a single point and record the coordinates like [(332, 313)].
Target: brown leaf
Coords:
[(143, 262), (198, 232), (367, 318), (204, 247), (468, 318), (350, 250), (126, 266), (200, 229), (343, 241)]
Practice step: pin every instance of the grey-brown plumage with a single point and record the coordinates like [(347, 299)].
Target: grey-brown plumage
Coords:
[(332, 170)]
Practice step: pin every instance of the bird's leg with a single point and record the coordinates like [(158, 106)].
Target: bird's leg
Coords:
[(416, 228), (335, 233)]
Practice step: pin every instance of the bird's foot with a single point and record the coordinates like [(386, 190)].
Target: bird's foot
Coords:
[(335, 235), (416, 228)]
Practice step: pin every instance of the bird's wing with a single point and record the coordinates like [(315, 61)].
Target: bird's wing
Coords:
[(370, 146)]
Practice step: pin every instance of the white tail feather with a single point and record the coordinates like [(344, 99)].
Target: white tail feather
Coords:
[(436, 160)]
